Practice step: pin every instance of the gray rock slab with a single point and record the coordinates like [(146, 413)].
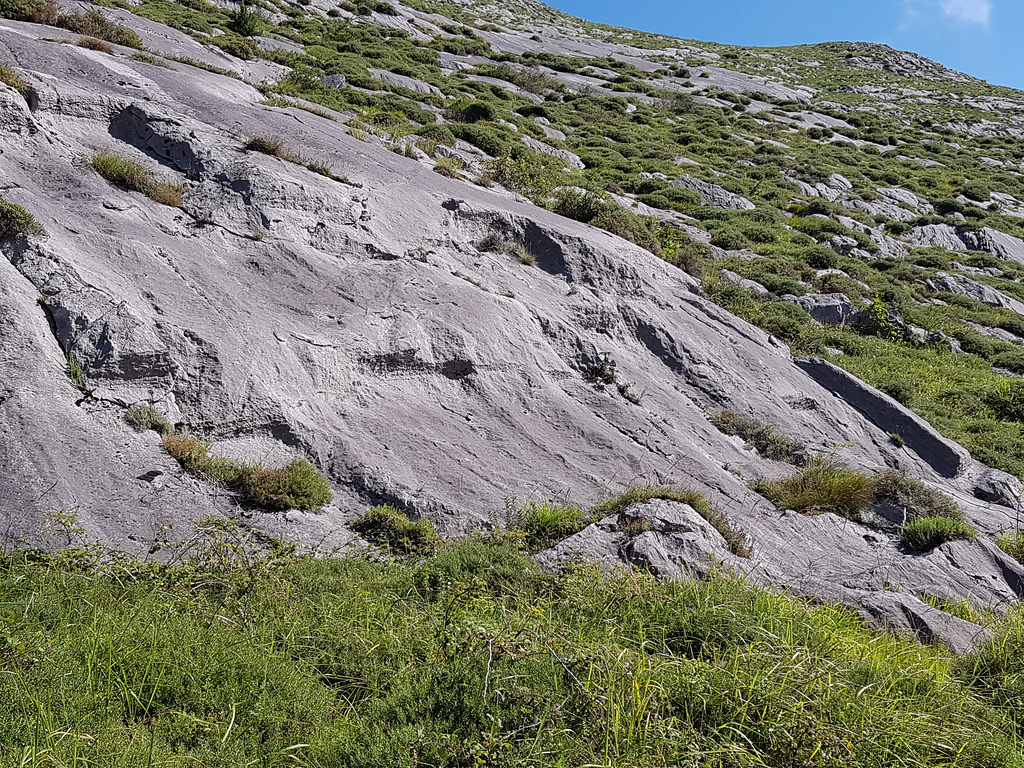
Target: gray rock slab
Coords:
[(713, 195)]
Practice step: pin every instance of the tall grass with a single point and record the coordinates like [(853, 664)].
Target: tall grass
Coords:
[(134, 177), (472, 658)]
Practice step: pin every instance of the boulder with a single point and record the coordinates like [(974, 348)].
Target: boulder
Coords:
[(748, 285), (713, 195), (960, 285), (826, 308)]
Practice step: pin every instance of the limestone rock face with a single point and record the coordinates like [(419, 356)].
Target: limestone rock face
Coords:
[(338, 302)]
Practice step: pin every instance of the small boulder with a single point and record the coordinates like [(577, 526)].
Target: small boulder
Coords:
[(748, 285), (826, 308)]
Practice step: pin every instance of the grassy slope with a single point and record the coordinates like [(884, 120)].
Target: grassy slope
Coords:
[(472, 657)]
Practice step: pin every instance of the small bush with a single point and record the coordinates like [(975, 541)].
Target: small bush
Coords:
[(922, 501), (762, 437), (36, 11), (246, 22), (296, 486), (15, 221), (926, 533), (145, 417), (390, 527), (824, 485)]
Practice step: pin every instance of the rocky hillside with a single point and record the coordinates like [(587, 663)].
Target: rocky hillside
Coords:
[(489, 265)]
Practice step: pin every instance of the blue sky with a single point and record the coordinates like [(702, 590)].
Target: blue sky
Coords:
[(984, 38)]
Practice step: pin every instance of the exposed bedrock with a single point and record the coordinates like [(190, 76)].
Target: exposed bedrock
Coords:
[(359, 321)]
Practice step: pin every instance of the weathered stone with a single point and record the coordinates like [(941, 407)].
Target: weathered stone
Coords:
[(713, 195), (748, 285), (826, 308)]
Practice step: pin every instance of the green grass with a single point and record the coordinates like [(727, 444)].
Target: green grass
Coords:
[(134, 177), (15, 221), (143, 418), (9, 77), (762, 437), (926, 533), (472, 658), (824, 485), (547, 523), (295, 486), (391, 528)]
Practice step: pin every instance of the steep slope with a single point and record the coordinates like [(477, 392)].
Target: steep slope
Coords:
[(447, 346)]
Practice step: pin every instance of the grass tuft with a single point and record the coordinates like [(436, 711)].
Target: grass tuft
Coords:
[(143, 418), (95, 44), (134, 177), (390, 527), (824, 485), (1013, 545), (547, 523), (762, 437), (926, 533), (11, 78), (15, 221), (296, 486)]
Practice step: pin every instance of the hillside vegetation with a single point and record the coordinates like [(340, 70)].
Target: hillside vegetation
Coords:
[(471, 656)]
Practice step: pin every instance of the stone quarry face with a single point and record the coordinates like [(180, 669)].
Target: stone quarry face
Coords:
[(359, 322)]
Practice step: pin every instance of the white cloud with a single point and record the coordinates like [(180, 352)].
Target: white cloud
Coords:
[(968, 11)]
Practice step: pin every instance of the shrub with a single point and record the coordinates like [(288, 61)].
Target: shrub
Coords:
[(926, 533), (820, 257), (246, 22), (36, 11), (901, 490), (578, 205), (824, 485), (762, 437), (145, 417), (389, 527), (296, 486), (246, 50), (15, 221)]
